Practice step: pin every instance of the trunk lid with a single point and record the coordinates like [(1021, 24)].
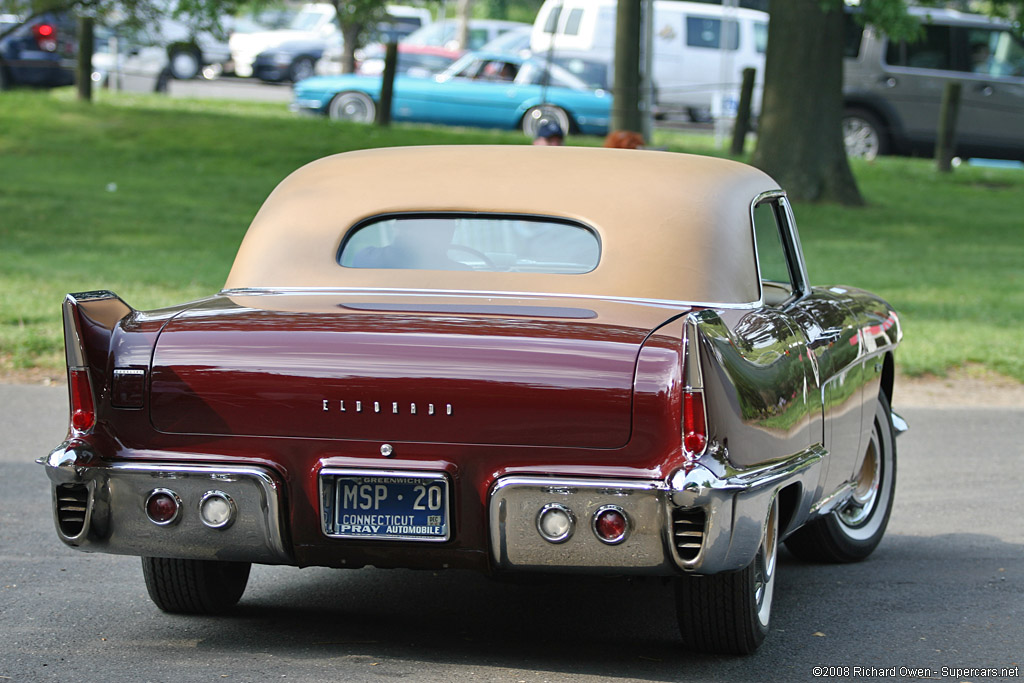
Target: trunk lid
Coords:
[(467, 371)]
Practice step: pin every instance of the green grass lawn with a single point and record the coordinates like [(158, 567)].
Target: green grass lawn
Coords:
[(150, 196)]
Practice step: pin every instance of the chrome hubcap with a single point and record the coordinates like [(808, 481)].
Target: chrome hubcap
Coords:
[(862, 502), (544, 113), (764, 567), (860, 138)]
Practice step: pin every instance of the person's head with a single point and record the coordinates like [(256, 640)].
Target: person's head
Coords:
[(624, 139), (549, 133)]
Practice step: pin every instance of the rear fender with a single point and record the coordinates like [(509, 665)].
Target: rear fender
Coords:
[(89, 322)]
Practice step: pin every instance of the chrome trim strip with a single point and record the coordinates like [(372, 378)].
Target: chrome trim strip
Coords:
[(692, 484), (272, 291), (72, 342), (899, 425), (694, 378), (862, 359), (829, 503), (801, 288)]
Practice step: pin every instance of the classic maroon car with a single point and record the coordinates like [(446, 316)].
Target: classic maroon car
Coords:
[(551, 360)]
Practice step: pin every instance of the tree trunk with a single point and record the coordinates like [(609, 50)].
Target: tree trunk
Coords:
[(463, 12), (626, 89), (83, 69), (800, 141), (350, 32)]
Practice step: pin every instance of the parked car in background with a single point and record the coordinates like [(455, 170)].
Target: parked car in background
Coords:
[(37, 52), (699, 49), (268, 19), (292, 60), (118, 64), (193, 48), (480, 89), (421, 61), (515, 41), (315, 21), (893, 90), (510, 359), (312, 31), (443, 33)]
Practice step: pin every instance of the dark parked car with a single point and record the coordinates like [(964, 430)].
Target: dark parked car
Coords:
[(893, 89), (292, 60), (434, 357), (39, 51)]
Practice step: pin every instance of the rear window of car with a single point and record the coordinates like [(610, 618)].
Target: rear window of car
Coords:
[(494, 243)]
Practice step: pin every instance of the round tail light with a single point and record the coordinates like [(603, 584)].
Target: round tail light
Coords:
[(217, 510), (163, 507), (555, 523), (611, 525)]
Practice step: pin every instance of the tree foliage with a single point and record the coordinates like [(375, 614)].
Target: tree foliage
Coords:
[(355, 19), (199, 15), (800, 130)]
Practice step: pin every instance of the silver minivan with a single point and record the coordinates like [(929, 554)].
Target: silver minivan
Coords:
[(893, 89)]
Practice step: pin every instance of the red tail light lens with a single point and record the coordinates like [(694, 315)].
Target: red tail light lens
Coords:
[(163, 507), (695, 433), (611, 524), (46, 37), (83, 411)]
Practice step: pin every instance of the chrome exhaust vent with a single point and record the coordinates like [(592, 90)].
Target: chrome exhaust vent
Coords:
[(687, 532), (72, 503)]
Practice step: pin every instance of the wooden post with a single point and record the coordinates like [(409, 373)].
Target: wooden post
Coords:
[(83, 72), (387, 85), (742, 125), (945, 142)]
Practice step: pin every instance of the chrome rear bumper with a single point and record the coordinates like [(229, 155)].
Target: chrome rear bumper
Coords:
[(103, 508), (696, 521)]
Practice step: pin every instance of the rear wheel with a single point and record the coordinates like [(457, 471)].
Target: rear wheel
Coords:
[(194, 586), (852, 532), (535, 116), (863, 135), (185, 63), (352, 106), (729, 613), (301, 68)]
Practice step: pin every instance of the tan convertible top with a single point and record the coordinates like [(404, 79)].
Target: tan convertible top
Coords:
[(673, 227)]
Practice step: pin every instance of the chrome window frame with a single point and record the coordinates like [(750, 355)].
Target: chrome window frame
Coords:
[(790, 243)]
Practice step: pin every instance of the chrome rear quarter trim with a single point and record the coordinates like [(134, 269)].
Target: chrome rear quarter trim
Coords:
[(116, 521)]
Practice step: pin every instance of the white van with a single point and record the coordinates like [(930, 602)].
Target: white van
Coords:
[(699, 49)]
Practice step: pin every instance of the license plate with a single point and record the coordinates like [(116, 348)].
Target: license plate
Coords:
[(407, 506)]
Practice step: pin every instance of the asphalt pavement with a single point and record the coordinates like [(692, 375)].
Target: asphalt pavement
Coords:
[(232, 89), (944, 589)]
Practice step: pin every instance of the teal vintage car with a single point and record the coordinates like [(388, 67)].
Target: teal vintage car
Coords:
[(489, 90)]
